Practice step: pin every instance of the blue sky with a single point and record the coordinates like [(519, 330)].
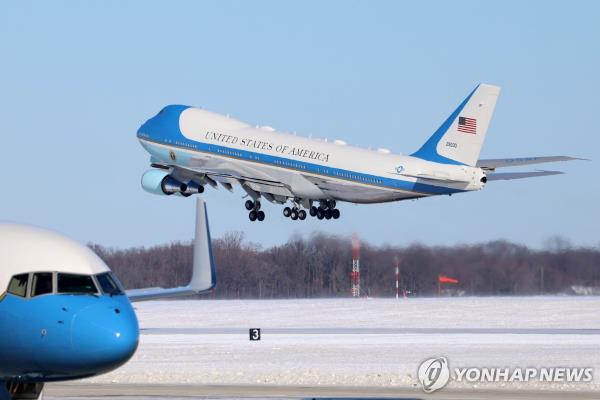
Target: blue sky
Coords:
[(78, 78)]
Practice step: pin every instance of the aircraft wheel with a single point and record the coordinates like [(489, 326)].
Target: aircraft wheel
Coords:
[(200, 189), (331, 204), (260, 215), (249, 205), (328, 214), (335, 213), (294, 215), (253, 215), (313, 211), (320, 214), (287, 212), (301, 215)]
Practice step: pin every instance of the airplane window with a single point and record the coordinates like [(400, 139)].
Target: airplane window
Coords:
[(76, 284), (108, 284), (18, 285), (41, 284)]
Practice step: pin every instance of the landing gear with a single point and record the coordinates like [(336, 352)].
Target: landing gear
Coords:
[(320, 213), (255, 211), (253, 215), (19, 390), (294, 213), (326, 210), (252, 205), (301, 215)]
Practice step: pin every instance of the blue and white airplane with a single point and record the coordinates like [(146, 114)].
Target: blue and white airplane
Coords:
[(63, 313), (191, 148)]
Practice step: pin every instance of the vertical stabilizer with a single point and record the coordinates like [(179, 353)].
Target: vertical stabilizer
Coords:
[(204, 275), (460, 138)]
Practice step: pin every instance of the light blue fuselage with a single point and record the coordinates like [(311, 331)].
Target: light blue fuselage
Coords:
[(61, 336)]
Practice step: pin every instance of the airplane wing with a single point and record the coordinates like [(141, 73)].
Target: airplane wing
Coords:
[(505, 176), (494, 163), (204, 277), (277, 189)]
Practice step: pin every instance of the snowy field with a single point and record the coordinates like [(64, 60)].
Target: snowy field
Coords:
[(326, 342)]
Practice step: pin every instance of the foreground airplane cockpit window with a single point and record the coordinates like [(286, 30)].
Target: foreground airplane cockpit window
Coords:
[(109, 284), (18, 285), (76, 284), (41, 284)]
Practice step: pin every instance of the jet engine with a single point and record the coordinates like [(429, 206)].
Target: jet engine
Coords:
[(160, 182)]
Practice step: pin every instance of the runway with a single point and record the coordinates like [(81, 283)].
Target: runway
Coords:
[(351, 348), (372, 331), (76, 391)]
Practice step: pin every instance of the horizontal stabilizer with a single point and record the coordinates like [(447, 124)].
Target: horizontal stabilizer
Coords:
[(514, 162), (507, 176), (438, 177), (204, 277)]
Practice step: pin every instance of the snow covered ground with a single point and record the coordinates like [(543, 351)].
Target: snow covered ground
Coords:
[(224, 355)]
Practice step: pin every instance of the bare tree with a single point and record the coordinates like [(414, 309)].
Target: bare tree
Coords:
[(320, 266)]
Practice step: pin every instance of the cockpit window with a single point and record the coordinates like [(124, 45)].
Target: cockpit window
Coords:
[(41, 283), (109, 284), (18, 285), (76, 284)]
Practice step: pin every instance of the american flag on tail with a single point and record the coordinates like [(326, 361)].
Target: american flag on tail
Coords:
[(467, 125)]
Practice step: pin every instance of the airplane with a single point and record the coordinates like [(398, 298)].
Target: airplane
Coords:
[(191, 148), (64, 314)]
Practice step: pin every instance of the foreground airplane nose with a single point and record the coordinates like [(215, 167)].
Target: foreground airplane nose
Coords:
[(105, 335)]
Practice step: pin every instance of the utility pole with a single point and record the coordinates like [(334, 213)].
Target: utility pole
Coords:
[(397, 263), (355, 266)]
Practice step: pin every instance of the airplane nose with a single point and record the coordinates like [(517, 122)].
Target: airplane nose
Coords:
[(145, 130), (105, 335)]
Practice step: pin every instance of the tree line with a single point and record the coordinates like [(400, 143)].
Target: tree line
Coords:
[(320, 266)]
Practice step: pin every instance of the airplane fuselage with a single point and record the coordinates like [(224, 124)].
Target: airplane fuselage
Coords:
[(291, 166)]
